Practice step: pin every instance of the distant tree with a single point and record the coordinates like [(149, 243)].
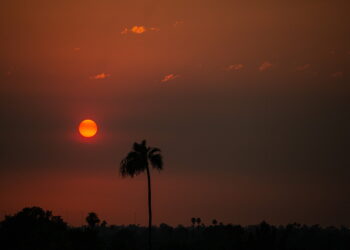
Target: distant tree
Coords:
[(165, 229), (92, 220), (33, 228), (137, 161), (198, 220), (193, 220), (215, 222), (103, 223), (36, 229)]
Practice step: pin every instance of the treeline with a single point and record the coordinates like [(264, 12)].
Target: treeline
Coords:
[(36, 229)]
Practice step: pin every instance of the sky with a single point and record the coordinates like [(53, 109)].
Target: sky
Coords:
[(248, 100)]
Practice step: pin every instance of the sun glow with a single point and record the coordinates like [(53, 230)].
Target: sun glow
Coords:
[(88, 128)]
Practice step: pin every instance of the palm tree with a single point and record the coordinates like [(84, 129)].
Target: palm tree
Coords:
[(138, 161)]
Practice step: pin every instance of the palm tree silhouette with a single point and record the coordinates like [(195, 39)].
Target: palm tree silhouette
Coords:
[(136, 162)]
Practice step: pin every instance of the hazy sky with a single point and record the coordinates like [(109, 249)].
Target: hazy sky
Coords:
[(249, 101)]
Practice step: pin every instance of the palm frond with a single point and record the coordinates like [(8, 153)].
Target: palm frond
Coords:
[(133, 164), (156, 161), (152, 151), (140, 147)]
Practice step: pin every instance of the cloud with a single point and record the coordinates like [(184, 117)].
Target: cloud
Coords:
[(124, 31), (303, 67), (76, 49), (235, 67), (138, 30), (178, 23), (265, 66), (337, 74), (154, 29), (100, 76), (170, 77)]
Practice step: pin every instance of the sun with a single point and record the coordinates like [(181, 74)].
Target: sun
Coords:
[(88, 128)]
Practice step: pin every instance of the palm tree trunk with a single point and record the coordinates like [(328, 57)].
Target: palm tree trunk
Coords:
[(149, 210)]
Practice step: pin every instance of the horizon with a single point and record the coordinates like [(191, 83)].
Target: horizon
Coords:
[(189, 224)]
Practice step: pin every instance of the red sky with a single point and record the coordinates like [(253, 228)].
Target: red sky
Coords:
[(249, 101)]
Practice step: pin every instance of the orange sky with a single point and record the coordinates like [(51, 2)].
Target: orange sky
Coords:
[(248, 100)]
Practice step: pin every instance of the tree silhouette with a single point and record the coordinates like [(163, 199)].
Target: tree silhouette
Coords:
[(33, 228), (92, 220), (215, 222), (104, 223), (138, 161), (193, 220), (198, 220)]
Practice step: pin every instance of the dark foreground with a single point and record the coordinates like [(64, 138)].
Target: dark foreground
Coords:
[(34, 228)]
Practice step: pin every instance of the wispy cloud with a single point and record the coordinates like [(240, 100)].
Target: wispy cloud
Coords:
[(100, 76), (337, 74), (265, 66), (124, 31), (178, 23), (303, 67), (76, 49), (235, 67), (154, 29), (138, 30), (170, 77)]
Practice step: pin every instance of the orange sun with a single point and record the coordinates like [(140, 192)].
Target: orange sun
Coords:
[(88, 128)]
